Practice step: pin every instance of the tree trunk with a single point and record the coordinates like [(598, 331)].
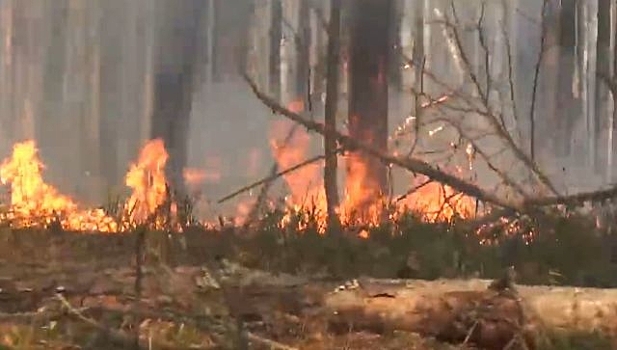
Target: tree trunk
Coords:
[(303, 45), (566, 98), (368, 99), (603, 67), (467, 311), (332, 82), (276, 33), (395, 78), (173, 86)]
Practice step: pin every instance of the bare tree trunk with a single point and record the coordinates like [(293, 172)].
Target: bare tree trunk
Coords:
[(566, 98), (603, 66), (173, 85), (395, 40), (276, 33), (303, 45), (111, 91), (332, 82), (368, 98)]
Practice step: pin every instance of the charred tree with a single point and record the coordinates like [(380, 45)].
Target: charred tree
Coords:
[(396, 80), (368, 97), (173, 86), (111, 92), (603, 55), (570, 104), (231, 24), (276, 34), (303, 45), (332, 82)]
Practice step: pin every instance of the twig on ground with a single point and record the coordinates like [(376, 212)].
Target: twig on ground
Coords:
[(270, 343), (116, 336)]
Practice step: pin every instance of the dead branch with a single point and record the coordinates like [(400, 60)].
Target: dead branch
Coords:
[(267, 184), (273, 177), (116, 336), (411, 164), (493, 121)]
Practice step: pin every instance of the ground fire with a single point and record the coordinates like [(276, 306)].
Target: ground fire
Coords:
[(432, 201), (36, 203)]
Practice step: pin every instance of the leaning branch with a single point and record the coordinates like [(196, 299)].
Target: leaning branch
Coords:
[(411, 164)]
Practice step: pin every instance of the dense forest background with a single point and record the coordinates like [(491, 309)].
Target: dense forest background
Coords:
[(91, 80)]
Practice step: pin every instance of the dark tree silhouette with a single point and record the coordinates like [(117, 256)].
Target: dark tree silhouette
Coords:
[(369, 50), (570, 105), (175, 71)]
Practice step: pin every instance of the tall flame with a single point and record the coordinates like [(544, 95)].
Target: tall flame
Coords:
[(147, 179)]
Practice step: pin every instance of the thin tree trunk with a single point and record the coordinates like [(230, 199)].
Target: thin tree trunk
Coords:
[(368, 100), (566, 98), (303, 45), (395, 40), (602, 66), (173, 85), (276, 33), (332, 82)]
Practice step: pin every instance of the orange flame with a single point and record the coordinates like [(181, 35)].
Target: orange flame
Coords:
[(34, 203), (147, 180), (434, 202)]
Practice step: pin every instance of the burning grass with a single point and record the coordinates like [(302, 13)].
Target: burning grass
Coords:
[(424, 237)]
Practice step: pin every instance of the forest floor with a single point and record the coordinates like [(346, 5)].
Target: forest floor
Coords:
[(208, 290)]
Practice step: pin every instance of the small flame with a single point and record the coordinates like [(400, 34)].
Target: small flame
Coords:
[(147, 180)]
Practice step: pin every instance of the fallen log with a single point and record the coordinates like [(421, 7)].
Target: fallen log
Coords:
[(466, 311)]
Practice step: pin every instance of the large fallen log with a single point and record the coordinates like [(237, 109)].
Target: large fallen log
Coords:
[(467, 311)]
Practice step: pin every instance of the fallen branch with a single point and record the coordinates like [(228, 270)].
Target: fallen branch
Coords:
[(116, 336), (469, 311)]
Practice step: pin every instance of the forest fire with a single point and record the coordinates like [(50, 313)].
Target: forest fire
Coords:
[(431, 201), (150, 199), (35, 203)]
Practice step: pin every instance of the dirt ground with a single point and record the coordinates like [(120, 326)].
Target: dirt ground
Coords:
[(75, 291)]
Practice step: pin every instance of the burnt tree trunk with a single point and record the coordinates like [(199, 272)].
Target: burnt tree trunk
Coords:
[(603, 67), (565, 96), (332, 84), (396, 78), (276, 34), (368, 96), (173, 87), (303, 45)]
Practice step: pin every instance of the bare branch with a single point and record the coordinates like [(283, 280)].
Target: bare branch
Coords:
[(272, 177), (411, 164), (536, 76)]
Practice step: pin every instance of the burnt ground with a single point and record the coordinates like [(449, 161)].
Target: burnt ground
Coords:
[(181, 305), (64, 290)]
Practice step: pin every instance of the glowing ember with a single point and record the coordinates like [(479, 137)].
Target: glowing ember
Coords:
[(35, 203)]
